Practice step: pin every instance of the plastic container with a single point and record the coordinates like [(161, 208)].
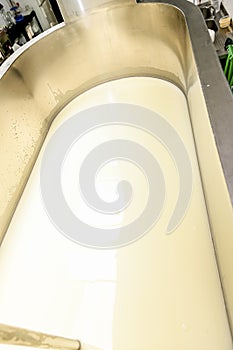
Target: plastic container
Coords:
[(225, 21)]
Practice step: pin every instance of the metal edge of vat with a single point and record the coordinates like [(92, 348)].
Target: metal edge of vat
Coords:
[(218, 97)]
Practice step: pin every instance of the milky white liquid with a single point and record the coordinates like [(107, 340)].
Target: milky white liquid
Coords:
[(160, 292)]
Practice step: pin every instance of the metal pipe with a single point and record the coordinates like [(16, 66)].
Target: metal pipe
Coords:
[(18, 336)]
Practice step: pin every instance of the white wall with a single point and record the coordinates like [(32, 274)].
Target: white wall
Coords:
[(1, 22), (6, 5)]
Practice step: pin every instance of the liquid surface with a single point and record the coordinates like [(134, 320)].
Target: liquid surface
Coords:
[(161, 291)]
